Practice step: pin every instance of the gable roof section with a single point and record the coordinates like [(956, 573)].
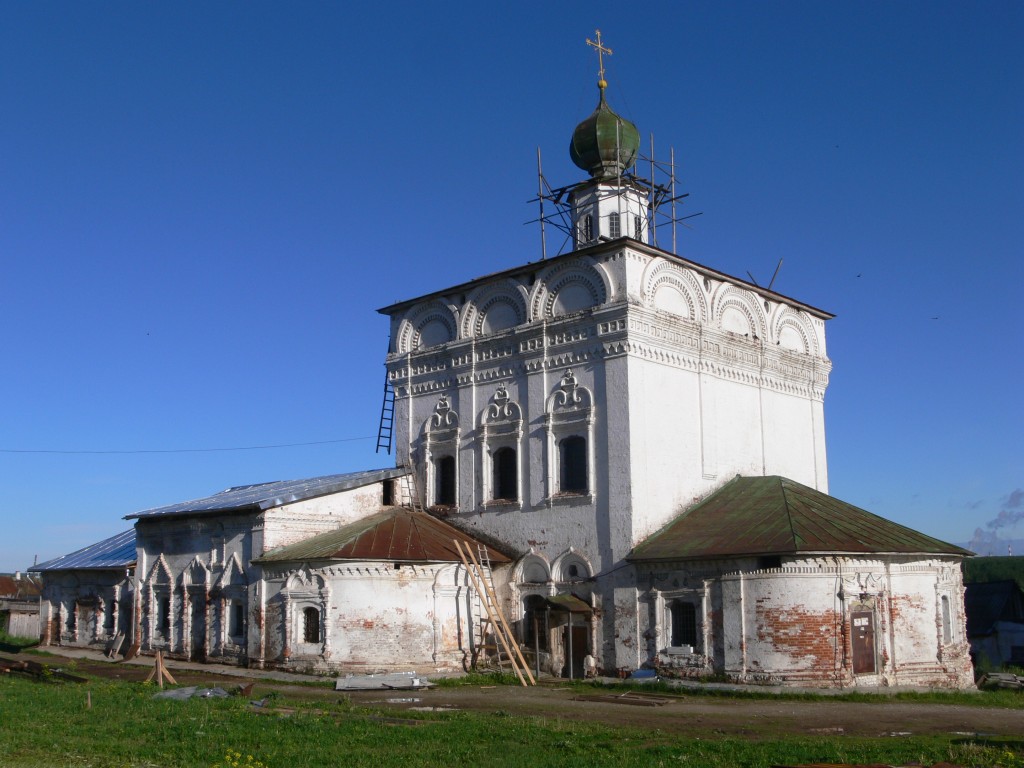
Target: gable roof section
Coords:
[(397, 534), (261, 496), (778, 516), (116, 552)]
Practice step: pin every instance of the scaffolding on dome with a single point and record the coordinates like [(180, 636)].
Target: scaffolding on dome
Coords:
[(659, 189)]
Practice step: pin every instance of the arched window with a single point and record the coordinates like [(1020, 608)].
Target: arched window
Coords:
[(684, 624), (505, 476), (614, 225), (310, 625), (572, 456), (444, 481), (947, 623)]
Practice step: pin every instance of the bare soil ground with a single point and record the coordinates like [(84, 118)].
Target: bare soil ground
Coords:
[(688, 716)]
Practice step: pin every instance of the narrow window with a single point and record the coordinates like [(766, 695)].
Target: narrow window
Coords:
[(311, 625), (947, 623), (163, 619), (614, 226), (505, 475), (573, 465), (235, 618), (638, 228), (108, 616), (684, 624), (588, 228), (388, 493), (444, 481)]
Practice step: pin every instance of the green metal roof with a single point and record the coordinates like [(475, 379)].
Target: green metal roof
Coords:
[(397, 534), (777, 516), (604, 144)]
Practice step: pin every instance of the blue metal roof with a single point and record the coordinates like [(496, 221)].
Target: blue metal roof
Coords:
[(261, 496), (116, 552)]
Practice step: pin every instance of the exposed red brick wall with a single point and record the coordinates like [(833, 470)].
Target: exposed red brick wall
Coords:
[(807, 636)]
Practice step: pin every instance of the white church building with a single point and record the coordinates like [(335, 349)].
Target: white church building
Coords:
[(637, 440)]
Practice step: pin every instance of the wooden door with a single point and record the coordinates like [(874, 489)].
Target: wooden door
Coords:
[(575, 639), (198, 628), (862, 625)]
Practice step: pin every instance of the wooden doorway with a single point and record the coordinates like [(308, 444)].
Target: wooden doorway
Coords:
[(862, 638), (198, 628), (575, 640)]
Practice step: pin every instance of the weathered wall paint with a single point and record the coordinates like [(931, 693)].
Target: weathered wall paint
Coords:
[(681, 379), (791, 625)]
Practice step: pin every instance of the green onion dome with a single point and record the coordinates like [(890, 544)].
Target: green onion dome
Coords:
[(595, 140)]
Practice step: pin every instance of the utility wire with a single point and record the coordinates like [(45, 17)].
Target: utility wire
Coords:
[(192, 450)]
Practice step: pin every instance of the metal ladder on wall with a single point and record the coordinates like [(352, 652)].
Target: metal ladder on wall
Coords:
[(494, 623), (387, 417)]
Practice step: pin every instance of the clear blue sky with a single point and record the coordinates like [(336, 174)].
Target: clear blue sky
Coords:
[(203, 204)]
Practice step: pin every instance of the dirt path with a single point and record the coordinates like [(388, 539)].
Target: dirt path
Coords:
[(703, 716)]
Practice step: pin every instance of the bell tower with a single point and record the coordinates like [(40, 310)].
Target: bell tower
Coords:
[(609, 204)]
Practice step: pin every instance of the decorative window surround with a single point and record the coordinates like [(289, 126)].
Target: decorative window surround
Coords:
[(569, 413), (501, 427), (571, 567), (664, 601), (442, 439), (306, 590)]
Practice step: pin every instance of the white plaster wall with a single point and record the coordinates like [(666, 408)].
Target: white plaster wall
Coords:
[(790, 625), (378, 617), (291, 523), (680, 405), (788, 432)]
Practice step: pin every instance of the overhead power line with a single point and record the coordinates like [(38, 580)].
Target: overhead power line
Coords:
[(190, 450)]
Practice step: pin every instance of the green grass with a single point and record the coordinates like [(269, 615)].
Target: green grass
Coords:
[(21, 642), (48, 724)]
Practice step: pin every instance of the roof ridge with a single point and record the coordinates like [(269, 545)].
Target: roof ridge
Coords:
[(784, 491)]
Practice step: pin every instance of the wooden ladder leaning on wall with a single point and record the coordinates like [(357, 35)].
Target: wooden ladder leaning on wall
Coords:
[(411, 490), (484, 586)]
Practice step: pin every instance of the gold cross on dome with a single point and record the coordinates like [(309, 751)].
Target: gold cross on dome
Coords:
[(601, 50)]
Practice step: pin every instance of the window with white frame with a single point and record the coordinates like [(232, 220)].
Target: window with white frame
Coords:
[(310, 625), (444, 481), (306, 597), (442, 445), (505, 480), (502, 433), (683, 629), (680, 621), (572, 465), (614, 225), (570, 433)]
